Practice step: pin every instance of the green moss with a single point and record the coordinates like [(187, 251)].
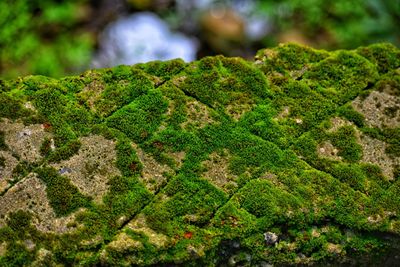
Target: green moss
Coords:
[(17, 255), (278, 179), (350, 175), (140, 118), (305, 104), (261, 198), (260, 122), (45, 147), (289, 57), (213, 80), (386, 56), (19, 220), (391, 136), (63, 196), (346, 73), (123, 86), (127, 196), (63, 152), (345, 140), (127, 160), (348, 112), (188, 196), (3, 145), (11, 107), (22, 169), (50, 101), (393, 150), (2, 162), (163, 69)]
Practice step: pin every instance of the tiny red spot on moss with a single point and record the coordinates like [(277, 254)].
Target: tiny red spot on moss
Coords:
[(188, 235), (46, 126)]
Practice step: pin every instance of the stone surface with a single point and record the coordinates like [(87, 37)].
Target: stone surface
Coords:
[(293, 159)]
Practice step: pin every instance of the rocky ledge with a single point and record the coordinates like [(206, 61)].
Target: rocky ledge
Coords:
[(293, 159)]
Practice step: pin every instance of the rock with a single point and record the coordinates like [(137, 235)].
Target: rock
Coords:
[(270, 238), (175, 164)]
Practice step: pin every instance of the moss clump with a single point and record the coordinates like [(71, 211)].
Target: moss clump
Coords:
[(215, 81), (164, 70), (19, 220), (289, 57), (385, 56), (345, 140), (306, 178), (140, 118), (337, 76), (3, 145), (63, 196), (123, 84), (348, 112), (11, 107)]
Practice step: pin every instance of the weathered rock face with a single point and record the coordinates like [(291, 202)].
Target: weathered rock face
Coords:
[(291, 159)]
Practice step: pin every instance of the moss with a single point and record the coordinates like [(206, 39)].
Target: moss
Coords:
[(386, 56), (11, 107), (2, 162), (140, 118), (262, 199), (350, 175), (45, 147), (17, 255), (19, 220), (188, 196), (393, 150), (22, 169), (63, 196), (345, 72), (50, 101), (163, 69), (388, 135), (348, 112), (212, 81), (289, 57), (127, 160), (266, 119), (260, 122), (3, 145), (63, 152), (345, 140), (123, 86), (126, 196)]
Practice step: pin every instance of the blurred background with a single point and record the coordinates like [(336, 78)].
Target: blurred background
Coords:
[(60, 37)]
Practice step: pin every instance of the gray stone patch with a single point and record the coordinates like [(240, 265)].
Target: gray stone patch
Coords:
[(374, 153), (381, 109), (90, 169), (218, 173), (7, 169), (25, 141), (30, 195), (153, 174)]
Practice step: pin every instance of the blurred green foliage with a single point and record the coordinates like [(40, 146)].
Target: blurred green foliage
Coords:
[(43, 37), (56, 37), (337, 24)]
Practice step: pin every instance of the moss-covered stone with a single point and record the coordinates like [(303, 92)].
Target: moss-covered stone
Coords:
[(292, 159)]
